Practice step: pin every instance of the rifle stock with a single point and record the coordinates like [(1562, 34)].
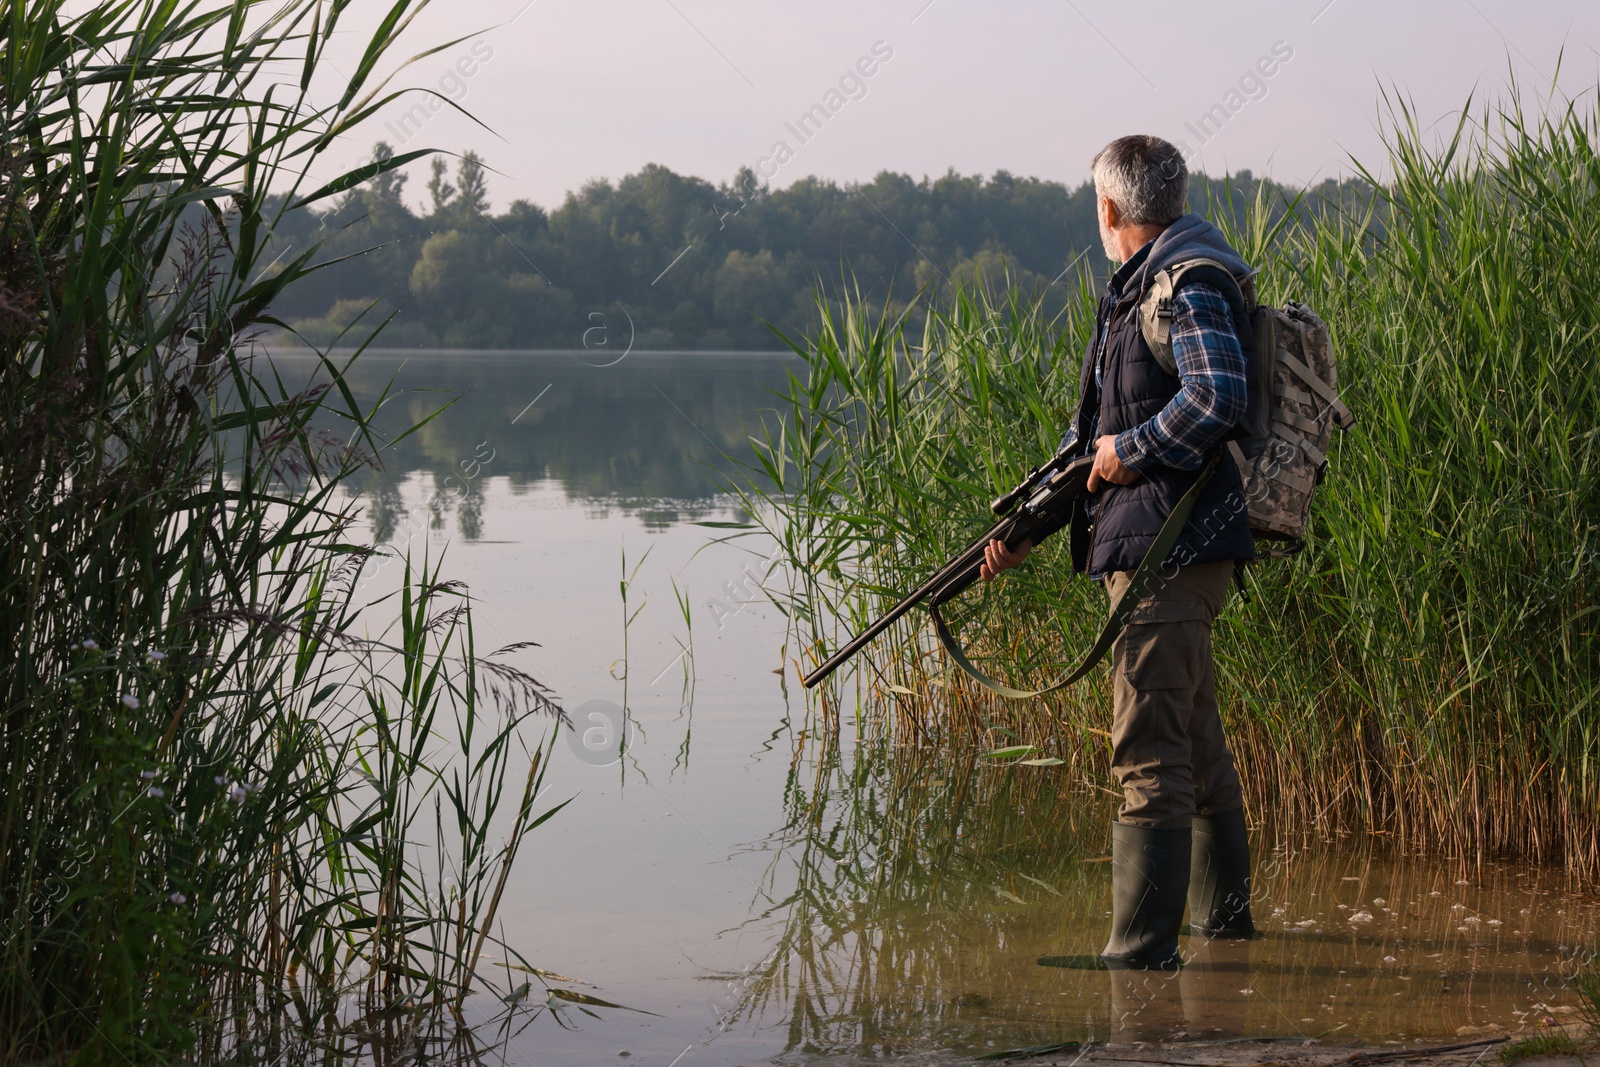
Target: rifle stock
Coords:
[(1043, 510)]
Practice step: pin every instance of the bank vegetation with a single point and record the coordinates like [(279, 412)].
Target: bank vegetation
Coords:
[(247, 807), (1427, 669)]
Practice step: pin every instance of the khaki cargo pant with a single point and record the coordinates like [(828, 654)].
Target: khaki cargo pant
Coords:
[(1167, 748)]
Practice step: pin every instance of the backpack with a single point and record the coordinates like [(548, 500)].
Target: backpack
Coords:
[(1282, 447)]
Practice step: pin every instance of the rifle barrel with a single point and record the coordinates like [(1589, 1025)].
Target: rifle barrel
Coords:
[(916, 596), (967, 560)]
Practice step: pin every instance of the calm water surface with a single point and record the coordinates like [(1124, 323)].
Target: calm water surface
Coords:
[(773, 897)]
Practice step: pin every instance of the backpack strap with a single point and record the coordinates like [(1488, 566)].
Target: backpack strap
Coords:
[(1341, 414), (1155, 307)]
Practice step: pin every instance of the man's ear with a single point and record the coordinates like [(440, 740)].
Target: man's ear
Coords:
[(1109, 215)]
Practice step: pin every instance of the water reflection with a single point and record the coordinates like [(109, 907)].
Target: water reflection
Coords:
[(925, 887), (648, 434)]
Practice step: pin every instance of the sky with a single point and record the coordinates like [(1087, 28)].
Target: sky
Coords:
[(574, 90)]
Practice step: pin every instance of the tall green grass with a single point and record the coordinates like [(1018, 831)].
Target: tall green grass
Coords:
[(1428, 668), (241, 808)]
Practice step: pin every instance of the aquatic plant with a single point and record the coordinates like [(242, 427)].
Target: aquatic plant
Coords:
[(217, 761), (1428, 668), (1587, 985), (1558, 1043)]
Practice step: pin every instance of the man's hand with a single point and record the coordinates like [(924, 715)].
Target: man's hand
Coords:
[(1107, 467), (997, 557)]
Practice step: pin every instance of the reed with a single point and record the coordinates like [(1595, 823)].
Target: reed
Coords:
[(1428, 668), (217, 762), (1587, 984)]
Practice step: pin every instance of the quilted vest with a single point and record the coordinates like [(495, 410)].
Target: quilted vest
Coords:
[(1125, 519)]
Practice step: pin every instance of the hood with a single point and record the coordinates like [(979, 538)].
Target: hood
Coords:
[(1188, 238)]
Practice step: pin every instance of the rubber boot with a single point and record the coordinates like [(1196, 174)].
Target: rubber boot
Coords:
[(1149, 880), (1219, 878), (1149, 877)]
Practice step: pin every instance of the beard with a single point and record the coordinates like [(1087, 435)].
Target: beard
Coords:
[(1109, 243)]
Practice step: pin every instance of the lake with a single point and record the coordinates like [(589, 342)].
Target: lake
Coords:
[(772, 893)]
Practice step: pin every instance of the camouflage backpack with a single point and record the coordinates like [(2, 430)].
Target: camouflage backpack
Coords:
[(1293, 398)]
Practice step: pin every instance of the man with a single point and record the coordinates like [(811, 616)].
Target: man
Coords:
[(1180, 832)]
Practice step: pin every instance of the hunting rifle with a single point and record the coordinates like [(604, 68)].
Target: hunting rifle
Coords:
[(1047, 495), (1044, 511)]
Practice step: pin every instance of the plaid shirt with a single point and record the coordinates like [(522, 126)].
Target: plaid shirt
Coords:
[(1211, 393)]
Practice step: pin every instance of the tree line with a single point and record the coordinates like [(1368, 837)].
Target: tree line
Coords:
[(664, 260)]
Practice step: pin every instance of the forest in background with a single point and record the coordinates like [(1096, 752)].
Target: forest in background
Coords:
[(670, 261)]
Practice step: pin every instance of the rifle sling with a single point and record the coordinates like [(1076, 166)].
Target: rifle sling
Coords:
[(1121, 610)]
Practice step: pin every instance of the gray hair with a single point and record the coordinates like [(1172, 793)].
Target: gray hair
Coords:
[(1145, 177)]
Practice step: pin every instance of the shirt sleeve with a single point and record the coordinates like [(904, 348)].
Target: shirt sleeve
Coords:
[(1211, 393)]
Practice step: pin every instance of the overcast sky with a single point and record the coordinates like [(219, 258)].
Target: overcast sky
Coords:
[(578, 89)]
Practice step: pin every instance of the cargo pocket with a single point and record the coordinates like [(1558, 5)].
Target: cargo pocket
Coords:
[(1159, 655)]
